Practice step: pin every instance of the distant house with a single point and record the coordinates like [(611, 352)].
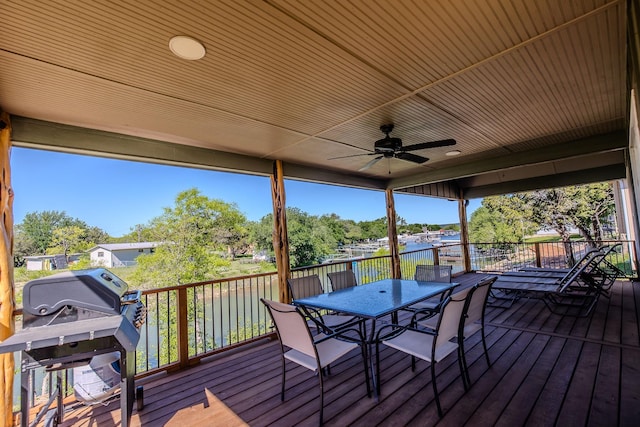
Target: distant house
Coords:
[(119, 254), (49, 262)]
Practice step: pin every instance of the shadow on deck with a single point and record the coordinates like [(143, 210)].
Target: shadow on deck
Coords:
[(547, 369)]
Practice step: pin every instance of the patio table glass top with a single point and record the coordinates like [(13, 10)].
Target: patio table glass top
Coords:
[(376, 299)]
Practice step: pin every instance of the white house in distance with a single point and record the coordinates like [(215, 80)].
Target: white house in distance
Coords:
[(49, 262), (119, 254)]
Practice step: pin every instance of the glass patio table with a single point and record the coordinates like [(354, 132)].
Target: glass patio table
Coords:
[(375, 300)]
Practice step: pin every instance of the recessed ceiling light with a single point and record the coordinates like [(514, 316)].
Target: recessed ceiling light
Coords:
[(187, 48), (452, 153)]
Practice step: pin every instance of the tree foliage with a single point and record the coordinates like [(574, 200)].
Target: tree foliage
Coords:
[(195, 234), (501, 219), (310, 237), (584, 207), (508, 218), (67, 239), (372, 230), (53, 232), (38, 228)]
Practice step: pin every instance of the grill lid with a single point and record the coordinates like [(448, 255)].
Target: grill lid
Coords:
[(93, 289)]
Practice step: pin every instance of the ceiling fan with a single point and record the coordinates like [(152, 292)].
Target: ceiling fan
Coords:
[(389, 147)]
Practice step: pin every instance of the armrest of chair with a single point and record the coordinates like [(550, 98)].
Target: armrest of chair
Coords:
[(315, 316), (427, 313), (423, 314), (341, 334), (397, 330)]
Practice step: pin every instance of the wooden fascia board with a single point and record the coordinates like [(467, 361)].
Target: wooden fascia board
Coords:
[(601, 174), (600, 143), (39, 134), (32, 133), (324, 176)]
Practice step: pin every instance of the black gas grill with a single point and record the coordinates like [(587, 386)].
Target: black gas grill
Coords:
[(70, 317)]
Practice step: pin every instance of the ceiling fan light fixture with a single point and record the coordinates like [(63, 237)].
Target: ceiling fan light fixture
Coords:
[(453, 153), (186, 47)]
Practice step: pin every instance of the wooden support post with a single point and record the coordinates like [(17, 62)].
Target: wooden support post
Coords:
[(464, 234), (280, 236), (538, 255), (7, 300), (392, 232)]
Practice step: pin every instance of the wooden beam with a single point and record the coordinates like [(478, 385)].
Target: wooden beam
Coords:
[(280, 234), (600, 143), (392, 232), (606, 173), (7, 300), (39, 134)]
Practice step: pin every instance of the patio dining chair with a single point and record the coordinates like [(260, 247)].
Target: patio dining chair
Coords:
[(308, 286), (475, 302), (432, 273), (312, 352), (342, 279), (431, 345)]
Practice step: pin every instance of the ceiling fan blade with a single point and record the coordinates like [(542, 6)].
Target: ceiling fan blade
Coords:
[(433, 144), (352, 155), (371, 163), (411, 157)]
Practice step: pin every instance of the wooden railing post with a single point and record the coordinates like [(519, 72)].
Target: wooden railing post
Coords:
[(183, 328), (436, 256), (538, 255)]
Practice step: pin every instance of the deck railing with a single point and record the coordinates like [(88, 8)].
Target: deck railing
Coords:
[(189, 322)]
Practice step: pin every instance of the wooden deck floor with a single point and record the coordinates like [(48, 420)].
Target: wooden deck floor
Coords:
[(546, 370)]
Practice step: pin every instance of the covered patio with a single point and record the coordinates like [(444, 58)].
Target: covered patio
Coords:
[(535, 95), (546, 370)]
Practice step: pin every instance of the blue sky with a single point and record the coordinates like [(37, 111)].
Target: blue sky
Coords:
[(116, 195)]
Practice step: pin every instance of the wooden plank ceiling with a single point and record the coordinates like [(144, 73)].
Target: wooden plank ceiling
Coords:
[(528, 89)]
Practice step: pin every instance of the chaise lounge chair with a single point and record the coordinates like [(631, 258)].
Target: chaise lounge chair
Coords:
[(577, 290)]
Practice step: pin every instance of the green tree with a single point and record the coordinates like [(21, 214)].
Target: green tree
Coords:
[(594, 204), (582, 206), (23, 246), (94, 236), (67, 239), (309, 237), (195, 232), (504, 219), (585, 207), (38, 227), (337, 226), (375, 229), (353, 231), (509, 218), (138, 233), (552, 209)]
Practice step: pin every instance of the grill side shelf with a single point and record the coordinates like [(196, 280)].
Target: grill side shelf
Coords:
[(62, 334)]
